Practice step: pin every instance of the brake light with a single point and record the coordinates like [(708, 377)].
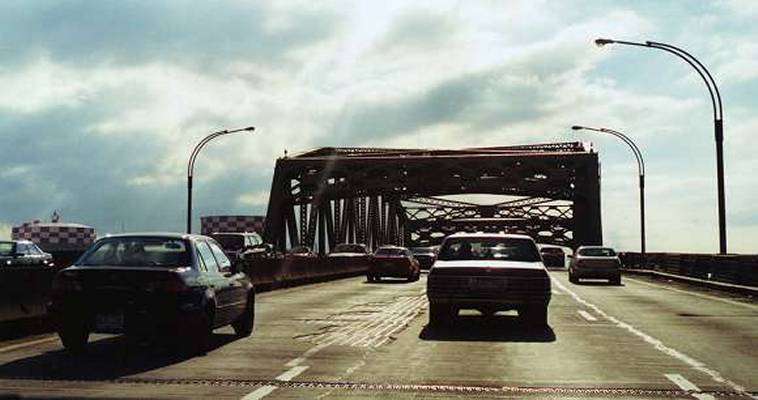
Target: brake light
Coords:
[(172, 284)]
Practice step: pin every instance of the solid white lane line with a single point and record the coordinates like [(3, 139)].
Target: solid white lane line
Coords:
[(587, 316), (657, 344), (682, 382), (292, 373), (259, 393), (28, 344), (701, 295)]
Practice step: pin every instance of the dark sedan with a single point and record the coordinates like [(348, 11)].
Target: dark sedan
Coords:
[(393, 262), (425, 256), (147, 285), (23, 253), (553, 256)]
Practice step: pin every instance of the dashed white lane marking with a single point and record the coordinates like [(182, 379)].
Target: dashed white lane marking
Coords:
[(260, 393), (684, 384), (295, 362), (587, 316), (28, 344), (657, 344), (292, 373), (701, 295)]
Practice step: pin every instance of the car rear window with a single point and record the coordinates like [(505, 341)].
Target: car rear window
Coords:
[(597, 252), (230, 242), (138, 252), (551, 250), (502, 249)]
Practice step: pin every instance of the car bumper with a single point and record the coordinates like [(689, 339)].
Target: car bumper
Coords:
[(596, 273)]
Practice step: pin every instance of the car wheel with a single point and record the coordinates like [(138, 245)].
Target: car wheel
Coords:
[(243, 326), (74, 338), (615, 281), (198, 340), (573, 279), (536, 316), (440, 315)]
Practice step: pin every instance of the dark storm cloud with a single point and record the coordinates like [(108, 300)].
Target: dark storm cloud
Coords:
[(481, 101), (203, 34)]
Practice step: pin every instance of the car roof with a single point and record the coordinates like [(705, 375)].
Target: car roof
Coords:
[(390, 246), (595, 247), (165, 235), (489, 235)]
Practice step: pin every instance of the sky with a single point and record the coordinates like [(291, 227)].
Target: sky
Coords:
[(102, 102)]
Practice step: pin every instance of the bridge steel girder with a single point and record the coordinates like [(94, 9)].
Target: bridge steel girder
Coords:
[(377, 196)]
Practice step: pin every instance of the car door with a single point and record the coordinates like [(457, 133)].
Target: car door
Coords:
[(235, 289), (215, 281)]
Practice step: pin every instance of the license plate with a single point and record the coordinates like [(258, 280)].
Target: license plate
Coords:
[(486, 284), (109, 322)]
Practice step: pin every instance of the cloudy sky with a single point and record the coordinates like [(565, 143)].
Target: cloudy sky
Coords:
[(102, 101)]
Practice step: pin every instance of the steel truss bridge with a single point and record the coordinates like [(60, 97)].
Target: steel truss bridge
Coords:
[(376, 196)]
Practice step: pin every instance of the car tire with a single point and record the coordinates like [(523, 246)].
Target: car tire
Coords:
[(573, 279), (243, 326), (199, 340), (440, 315), (615, 281), (74, 338), (535, 316)]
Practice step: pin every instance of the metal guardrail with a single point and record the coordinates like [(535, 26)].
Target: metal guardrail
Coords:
[(730, 268)]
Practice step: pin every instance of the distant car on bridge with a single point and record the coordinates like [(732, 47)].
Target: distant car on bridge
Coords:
[(393, 262), (553, 256), (488, 272), (236, 244), (23, 253), (595, 262), (169, 285), (425, 255), (349, 255)]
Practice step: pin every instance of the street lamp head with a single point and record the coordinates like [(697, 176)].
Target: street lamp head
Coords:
[(577, 128), (249, 129), (602, 42)]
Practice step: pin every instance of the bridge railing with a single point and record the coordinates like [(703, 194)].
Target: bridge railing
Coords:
[(731, 268)]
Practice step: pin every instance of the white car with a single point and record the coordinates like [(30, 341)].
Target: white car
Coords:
[(488, 272)]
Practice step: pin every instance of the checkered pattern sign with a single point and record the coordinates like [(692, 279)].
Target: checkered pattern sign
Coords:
[(55, 236), (232, 223)]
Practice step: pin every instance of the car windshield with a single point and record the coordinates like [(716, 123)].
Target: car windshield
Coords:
[(230, 242), (138, 252), (390, 252), (597, 252), (510, 249), (349, 248), (6, 248)]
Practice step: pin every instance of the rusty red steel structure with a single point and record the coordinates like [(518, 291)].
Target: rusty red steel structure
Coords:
[(376, 196)]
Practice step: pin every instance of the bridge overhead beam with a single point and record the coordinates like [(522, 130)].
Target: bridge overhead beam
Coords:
[(385, 192)]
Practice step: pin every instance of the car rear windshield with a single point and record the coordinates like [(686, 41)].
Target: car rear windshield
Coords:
[(597, 252), (230, 242), (6, 248), (349, 248), (551, 250), (390, 252), (138, 252), (503, 249)]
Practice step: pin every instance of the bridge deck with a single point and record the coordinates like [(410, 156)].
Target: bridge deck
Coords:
[(351, 339)]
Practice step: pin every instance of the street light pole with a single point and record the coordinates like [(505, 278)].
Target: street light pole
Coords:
[(640, 171), (718, 119), (191, 166)]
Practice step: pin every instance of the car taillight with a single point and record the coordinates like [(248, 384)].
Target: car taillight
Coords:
[(67, 281), (173, 284)]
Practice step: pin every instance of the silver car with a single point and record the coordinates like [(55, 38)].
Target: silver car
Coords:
[(595, 262)]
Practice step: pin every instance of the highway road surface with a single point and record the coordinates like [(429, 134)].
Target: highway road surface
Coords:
[(352, 339)]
